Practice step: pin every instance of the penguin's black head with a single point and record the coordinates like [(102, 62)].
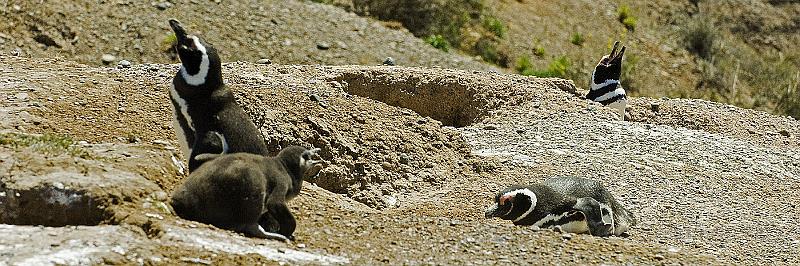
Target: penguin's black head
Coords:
[(199, 60), (301, 162), (610, 67), (512, 203)]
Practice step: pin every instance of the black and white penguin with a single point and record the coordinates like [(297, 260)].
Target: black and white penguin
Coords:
[(204, 108), (571, 204), (247, 193), (605, 87)]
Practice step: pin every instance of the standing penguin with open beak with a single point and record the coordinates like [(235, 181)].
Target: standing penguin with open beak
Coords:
[(207, 118), (605, 87)]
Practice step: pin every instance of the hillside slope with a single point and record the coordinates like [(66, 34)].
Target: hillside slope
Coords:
[(286, 32)]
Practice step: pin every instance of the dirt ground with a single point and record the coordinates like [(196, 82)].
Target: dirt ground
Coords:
[(408, 179)]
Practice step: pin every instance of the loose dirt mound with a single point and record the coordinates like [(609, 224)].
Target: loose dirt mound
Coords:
[(423, 185)]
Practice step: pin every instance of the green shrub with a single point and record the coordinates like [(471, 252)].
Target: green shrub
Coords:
[(700, 37), (577, 39), (495, 26), (439, 42), (557, 68), (538, 51), (630, 23), (625, 16), (789, 102), (487, 49), (426, 17), (523, 65)]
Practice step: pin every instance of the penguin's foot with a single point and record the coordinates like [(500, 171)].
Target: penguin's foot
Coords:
[(255, 230)]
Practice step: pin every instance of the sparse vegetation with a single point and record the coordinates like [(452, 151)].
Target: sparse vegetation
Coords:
[(577, 39), (439, 42), (524, 65), (700, 37), (487, 49), (625, 16), (558, 68), (496, 26), (629, 78), (48, 144)]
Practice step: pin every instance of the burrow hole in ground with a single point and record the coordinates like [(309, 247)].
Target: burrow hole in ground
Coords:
[(49, 206), (444, 99)]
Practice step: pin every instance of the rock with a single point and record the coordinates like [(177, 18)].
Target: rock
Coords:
[(489, 127), (264, 61), (124, 64), (785, 133), (323, 46), (659, 257), (163, 5), (654, 107), (22, 96), (389, 61), (107, 58)]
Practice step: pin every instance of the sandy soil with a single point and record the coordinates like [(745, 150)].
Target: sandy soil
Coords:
[(408, 180)]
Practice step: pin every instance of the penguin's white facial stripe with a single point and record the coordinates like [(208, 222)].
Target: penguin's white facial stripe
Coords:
[(224, 142), (186, 148), (200, 77), (512, 194)]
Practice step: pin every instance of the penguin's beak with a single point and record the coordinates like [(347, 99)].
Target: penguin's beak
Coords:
[(316, 161), (180, 33), (495, 210)]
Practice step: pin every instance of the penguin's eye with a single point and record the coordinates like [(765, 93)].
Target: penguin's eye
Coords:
[(505, 199)]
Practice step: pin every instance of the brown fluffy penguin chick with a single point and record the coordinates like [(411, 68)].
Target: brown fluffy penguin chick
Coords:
[(234, 191)]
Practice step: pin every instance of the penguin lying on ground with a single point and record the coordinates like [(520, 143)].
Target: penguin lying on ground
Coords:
[(571, 204), (247, 193), (203, 105), (605, 87)]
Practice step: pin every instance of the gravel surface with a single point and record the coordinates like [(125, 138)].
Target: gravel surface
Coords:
[(693, 191)]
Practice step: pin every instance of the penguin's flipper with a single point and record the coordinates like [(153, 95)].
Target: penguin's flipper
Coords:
[(206, 157), (599, 216)]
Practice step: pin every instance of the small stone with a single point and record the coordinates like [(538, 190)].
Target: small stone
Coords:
[(163, 5), (654, 107), (124, 64), (22, 96), (323, 46), (107, 58), (567, 236), (315, 97), (58, 185), (785, 133), (659, 257), (264, 61), (301, 245), (389, 61), (160, 142), (121, 109), (489, 127)]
